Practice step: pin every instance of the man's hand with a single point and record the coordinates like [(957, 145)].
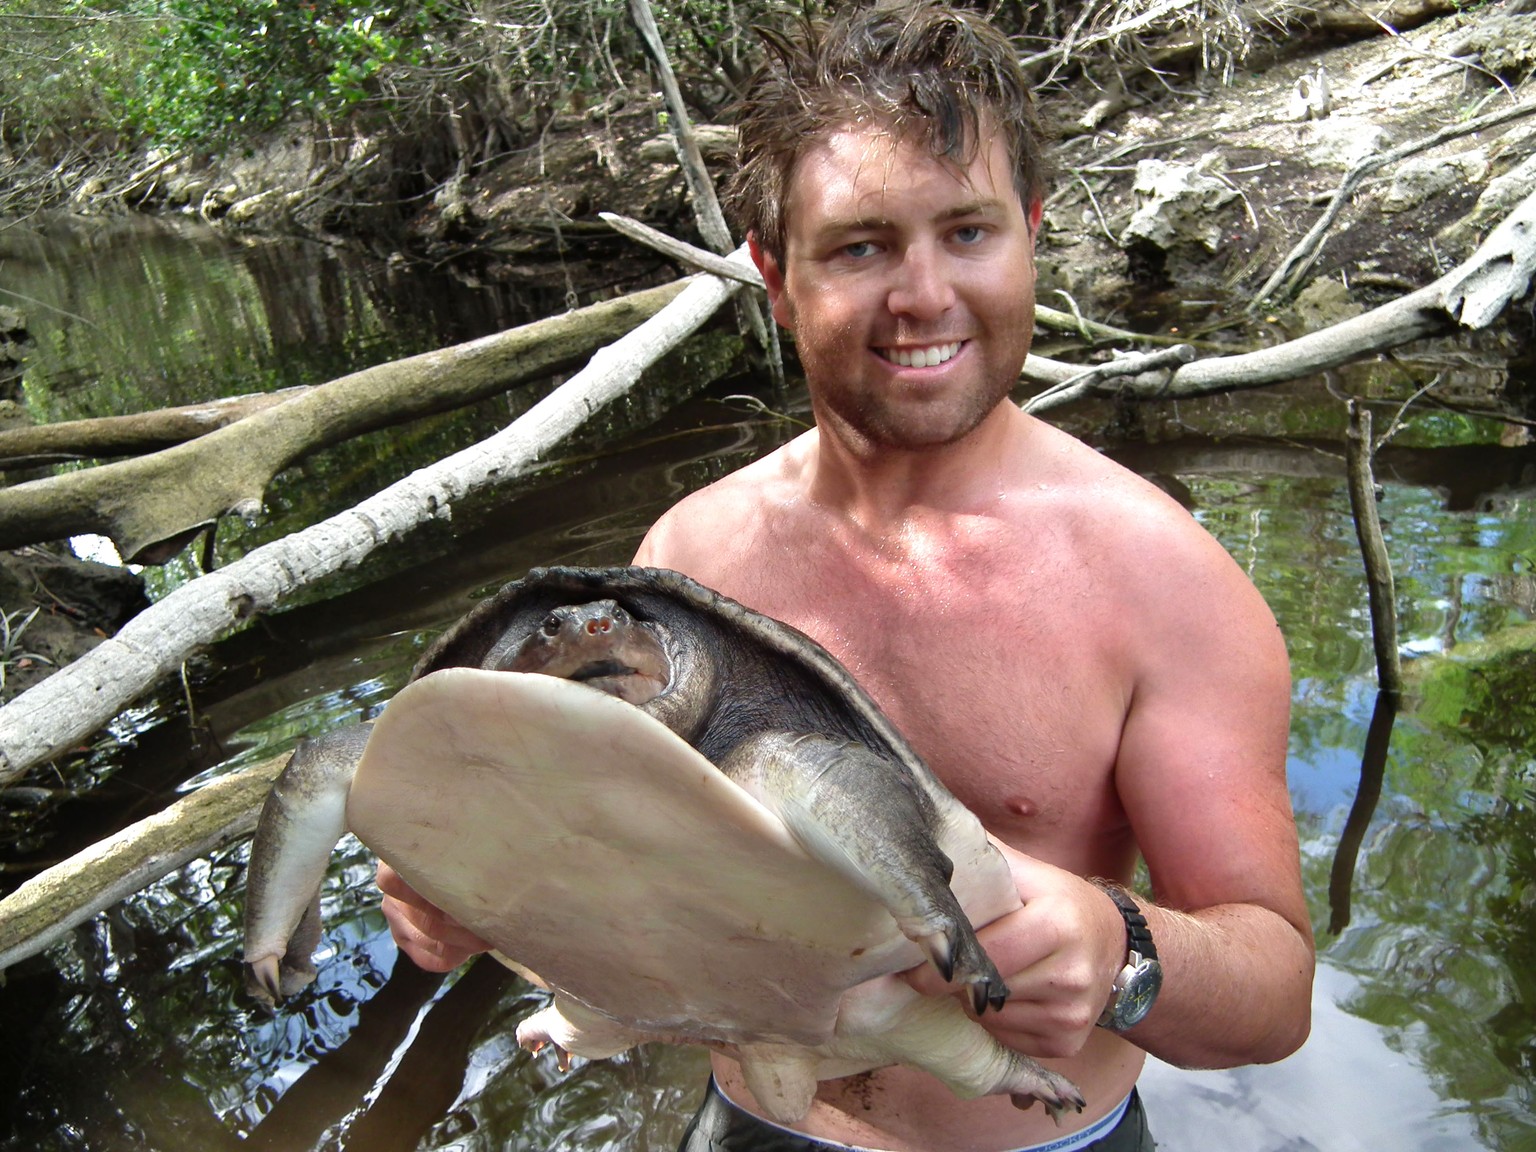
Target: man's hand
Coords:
[(432, 939), (1059, 954)]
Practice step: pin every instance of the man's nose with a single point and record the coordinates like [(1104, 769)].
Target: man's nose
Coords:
[(922, 288)]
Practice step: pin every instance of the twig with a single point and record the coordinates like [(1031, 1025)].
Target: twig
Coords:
[(1397, 419), (688, 254), (1126, 364), (682, 251), (1373, 550), (1301, 257)]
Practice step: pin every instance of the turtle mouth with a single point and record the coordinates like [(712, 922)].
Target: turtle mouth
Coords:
[(598, 669)]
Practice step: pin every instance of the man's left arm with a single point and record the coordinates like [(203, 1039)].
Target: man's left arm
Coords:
[(1200, 773), (1203, 781)]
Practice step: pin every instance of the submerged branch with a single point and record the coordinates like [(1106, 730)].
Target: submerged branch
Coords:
[(1373, 550), (43, 909)]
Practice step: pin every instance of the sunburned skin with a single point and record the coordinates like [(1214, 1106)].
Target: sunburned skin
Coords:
[(600, 645)]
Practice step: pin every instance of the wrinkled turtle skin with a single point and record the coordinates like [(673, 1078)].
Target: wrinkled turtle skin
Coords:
[(760, 700)]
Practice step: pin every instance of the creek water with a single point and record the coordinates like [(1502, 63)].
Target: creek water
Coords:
[(135, 1031)]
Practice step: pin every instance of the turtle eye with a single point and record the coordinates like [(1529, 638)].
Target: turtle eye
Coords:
[(551, 625)]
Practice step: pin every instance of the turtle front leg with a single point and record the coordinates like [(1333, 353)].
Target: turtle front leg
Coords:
[(857, 813), (304, 816)]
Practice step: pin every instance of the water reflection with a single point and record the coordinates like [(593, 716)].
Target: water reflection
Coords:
[(1373, 769), (1425, 1011), (140, 313)]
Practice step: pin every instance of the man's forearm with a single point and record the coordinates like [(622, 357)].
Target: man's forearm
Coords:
[(1237, 987)]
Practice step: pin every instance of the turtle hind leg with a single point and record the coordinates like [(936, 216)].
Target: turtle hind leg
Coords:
[(887, 1021), (856, 812)]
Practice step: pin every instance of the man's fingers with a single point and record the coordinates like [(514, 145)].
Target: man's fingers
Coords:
[(432, 939)]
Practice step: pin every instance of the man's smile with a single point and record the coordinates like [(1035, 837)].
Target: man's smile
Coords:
[(927, 356)]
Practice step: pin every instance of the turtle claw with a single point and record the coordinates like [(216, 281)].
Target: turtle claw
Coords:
[(535, 1044), (1057, 1093), (941, 953), (988, 993), (264, 981), (956, 955)]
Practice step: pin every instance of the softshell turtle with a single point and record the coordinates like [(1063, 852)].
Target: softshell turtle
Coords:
[(726, 843)]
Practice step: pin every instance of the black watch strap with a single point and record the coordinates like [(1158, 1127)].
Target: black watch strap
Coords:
[(1138, 937)]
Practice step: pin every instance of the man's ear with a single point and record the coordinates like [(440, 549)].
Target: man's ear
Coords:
[(773, 278), (1035, 213)]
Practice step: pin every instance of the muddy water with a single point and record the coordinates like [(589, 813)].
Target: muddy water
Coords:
[(135, 1032)]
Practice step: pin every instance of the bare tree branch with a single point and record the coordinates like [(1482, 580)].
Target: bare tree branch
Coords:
[(1287, 277)]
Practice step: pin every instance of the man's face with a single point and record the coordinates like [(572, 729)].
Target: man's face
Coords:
[(909, 284)]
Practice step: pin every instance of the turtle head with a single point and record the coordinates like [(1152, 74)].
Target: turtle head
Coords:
[(597, 643)]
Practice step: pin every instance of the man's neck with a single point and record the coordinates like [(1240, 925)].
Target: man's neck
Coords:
[(881, 488)]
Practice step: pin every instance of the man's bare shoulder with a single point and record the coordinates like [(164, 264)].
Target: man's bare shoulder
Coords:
[(703, 531), (1138, 539), (1093, 491)]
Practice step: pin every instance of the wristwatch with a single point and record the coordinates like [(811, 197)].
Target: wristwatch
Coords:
[(1136, 985)]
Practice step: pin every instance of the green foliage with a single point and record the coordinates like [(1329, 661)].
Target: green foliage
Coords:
[(214, 73), (226, 66), (62, 60)]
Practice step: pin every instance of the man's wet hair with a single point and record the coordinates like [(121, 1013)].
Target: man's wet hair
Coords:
[(929, 73)]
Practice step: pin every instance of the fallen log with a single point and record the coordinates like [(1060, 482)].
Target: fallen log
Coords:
[(129, 435), (47, 906), (151, 505), (84, 695), (1471, 295)]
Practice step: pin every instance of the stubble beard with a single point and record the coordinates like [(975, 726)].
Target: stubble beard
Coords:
[(870, 423)]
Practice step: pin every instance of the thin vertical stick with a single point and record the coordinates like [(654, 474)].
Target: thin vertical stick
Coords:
[(1373, 550), (701, 189), (706, 206)]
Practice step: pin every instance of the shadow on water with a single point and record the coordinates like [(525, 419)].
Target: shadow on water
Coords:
[(1418, 828)]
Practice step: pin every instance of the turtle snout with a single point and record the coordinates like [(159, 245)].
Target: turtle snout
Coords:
[(605, 622)]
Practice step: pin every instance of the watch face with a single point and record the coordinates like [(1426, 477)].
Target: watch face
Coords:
[(1136, 998)]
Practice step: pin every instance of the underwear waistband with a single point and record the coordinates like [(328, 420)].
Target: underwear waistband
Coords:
[(1100, 1128)]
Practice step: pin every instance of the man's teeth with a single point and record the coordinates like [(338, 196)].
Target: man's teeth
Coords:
[(921, 357)]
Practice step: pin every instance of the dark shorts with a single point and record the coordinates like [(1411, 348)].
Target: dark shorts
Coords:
[(720, 1126)]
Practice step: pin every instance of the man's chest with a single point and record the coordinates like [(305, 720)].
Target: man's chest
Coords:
[(1014, 701)]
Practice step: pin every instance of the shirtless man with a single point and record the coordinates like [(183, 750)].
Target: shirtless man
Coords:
[(1072, 654)]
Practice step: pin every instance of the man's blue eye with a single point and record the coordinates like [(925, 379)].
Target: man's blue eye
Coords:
[(969, 234), (858, 249)]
